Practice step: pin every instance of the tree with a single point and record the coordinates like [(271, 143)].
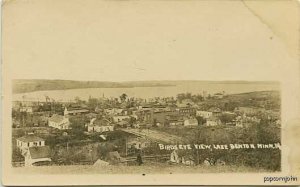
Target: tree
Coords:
[(180, 97), (92, 102), (188, 95), (226, 118), (123, 97), (200, 120), (78, 126), (132, 121), (154, 122)]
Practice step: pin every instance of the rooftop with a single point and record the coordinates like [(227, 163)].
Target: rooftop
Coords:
[(213, 118), (192, 120), (30, 138), (102, 122), (56, 118), (39, 152), (77, 110)]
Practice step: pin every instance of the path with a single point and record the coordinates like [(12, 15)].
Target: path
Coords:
[(155, 135)]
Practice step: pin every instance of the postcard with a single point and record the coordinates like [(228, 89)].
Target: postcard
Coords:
[(150, 92)]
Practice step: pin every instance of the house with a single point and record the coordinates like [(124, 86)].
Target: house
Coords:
[(137, 143), (123, 124), (30, 140), (91, 115), (137, 125), (176, 122), (187, 102), (120, 118), (213, 121), (145, 106), (219, 95), (102, 125), (37, 154), (75, 111), (204, 114), (242, 122), (134, 116), (246, 121), (98, 109), (27, 109), (16, 123), (186, 111), (113, 111), (59, 122), (190, 122), (215, 111), (109, 111)]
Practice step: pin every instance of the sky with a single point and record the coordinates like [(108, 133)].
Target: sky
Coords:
[(143, 40)]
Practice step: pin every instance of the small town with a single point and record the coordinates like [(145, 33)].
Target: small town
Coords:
[(128, 131)]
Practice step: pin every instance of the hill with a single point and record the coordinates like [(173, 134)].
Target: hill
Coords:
[(269, 100), (31, 85)]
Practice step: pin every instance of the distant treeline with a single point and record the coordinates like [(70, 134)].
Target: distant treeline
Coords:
[(31, 85), (270, 100)]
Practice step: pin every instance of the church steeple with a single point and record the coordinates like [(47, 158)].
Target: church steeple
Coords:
[(66, 111)]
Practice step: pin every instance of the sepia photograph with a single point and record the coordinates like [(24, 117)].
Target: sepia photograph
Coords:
[(150, 92), (152, 126)]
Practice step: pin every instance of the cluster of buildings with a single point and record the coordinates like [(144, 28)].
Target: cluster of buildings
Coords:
[(109, 115), (141, 113), (33, 149)]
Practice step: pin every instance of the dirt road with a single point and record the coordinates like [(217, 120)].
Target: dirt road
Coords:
[(154, 135)]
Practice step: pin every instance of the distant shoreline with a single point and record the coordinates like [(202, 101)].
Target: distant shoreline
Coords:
[(92, 88), (32, 85)]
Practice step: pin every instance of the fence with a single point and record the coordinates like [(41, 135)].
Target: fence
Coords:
[(156, 158)]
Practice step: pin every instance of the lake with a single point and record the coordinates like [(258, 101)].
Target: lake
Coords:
[(146, 92)]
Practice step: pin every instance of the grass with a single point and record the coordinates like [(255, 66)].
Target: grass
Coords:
[(146, 168)]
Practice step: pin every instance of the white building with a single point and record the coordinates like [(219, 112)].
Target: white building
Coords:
[(204, 114), (27, 109), (75, 111), (59, 122), (113, 111), (120, 118), (138, 143), (190, 122), (30, 140), (219, 95), (213, 121), (37, 154), (99, 126), (246, 121)]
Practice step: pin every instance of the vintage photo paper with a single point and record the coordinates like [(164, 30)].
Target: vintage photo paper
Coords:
[(150, 92)]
